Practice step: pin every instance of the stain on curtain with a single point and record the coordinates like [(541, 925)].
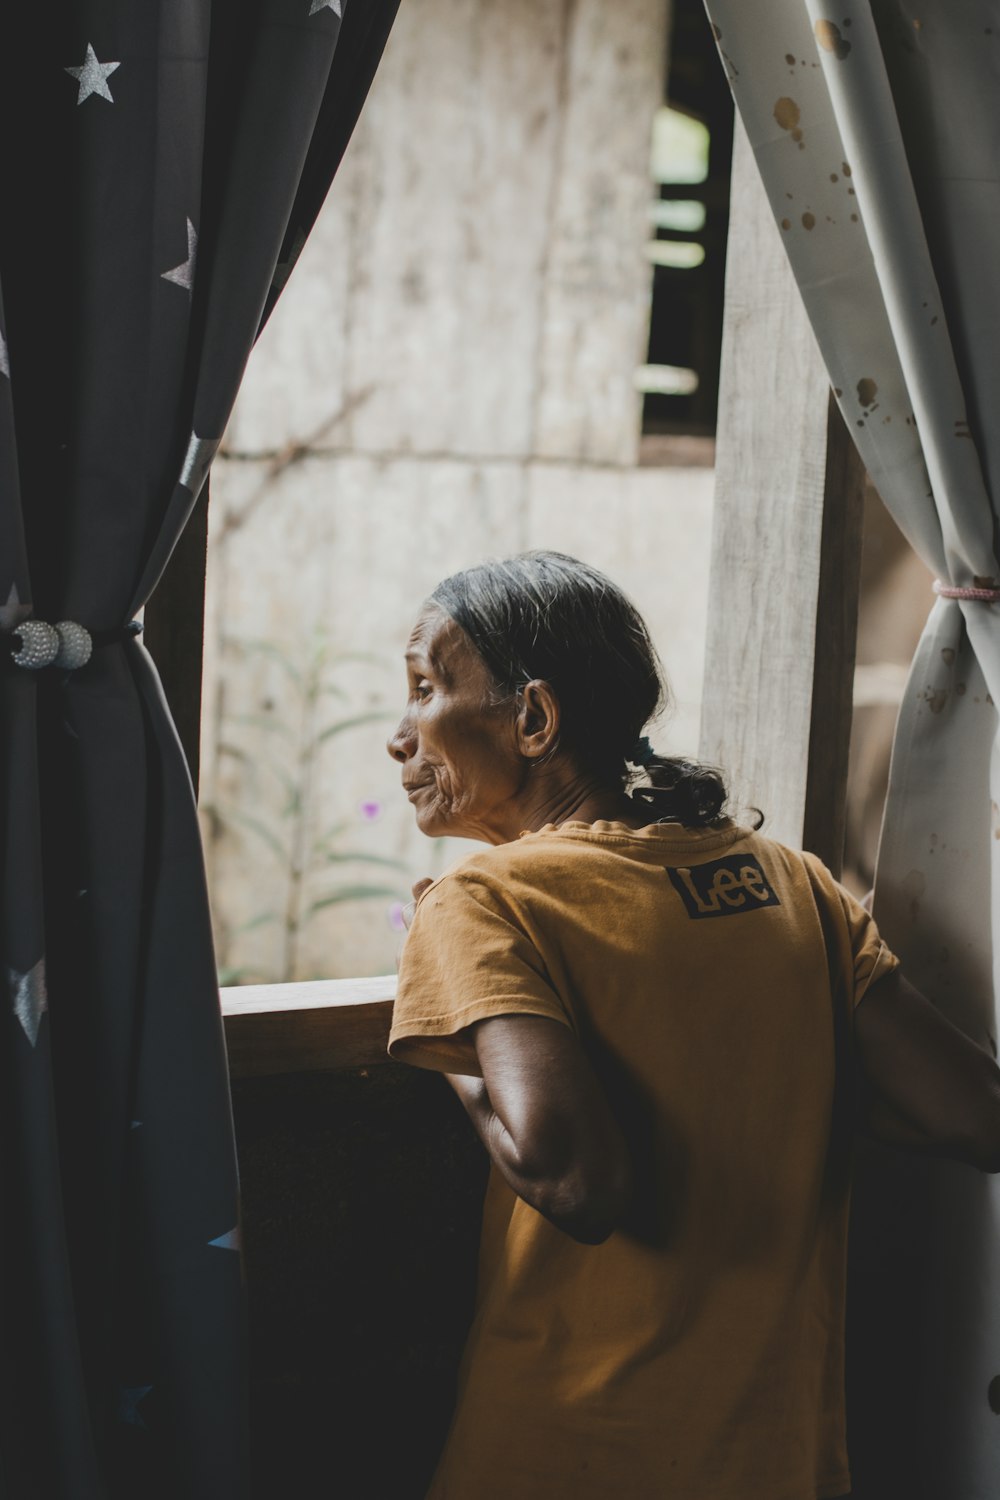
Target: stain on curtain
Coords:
[(876, 128)]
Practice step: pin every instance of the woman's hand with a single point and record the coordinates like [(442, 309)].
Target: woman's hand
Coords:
[(926, 1084), (417, 891)]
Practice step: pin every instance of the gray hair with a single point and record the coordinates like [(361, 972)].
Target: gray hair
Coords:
[(547, 616)]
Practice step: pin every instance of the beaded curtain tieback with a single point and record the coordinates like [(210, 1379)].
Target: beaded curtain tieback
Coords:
[(66, 646)]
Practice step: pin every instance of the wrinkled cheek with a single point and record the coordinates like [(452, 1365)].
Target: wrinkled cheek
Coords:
[(446, 791), (436, 806)]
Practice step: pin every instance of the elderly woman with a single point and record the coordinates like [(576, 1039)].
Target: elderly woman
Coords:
[(657, 1020)]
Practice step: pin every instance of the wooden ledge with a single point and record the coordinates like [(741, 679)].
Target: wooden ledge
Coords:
[(676, 450), (307, 1028)]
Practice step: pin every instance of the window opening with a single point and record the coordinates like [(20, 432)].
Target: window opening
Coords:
[(449, 376), (690, 163)]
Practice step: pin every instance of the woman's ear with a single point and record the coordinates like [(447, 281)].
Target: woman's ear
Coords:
[(537, 724)]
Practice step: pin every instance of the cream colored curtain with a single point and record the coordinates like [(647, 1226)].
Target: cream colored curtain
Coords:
[(876, 128)]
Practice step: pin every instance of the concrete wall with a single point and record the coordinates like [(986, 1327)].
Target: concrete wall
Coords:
[(448, 376), (477, 285)]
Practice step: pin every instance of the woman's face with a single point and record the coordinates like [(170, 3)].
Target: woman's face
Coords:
[(458, 750)]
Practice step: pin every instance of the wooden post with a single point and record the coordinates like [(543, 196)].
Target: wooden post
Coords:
[(824, 817), (786, 548), (174, 630)]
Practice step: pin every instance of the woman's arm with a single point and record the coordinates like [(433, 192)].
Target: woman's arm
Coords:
[(926, 1085), (543, 1117)]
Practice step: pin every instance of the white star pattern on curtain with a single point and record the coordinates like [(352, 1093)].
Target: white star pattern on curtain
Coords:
[(318, 5), (137, 982), (197, 460), (183, 275), (13, 612), (228, 1241), (92, 77), (128, 1403), (29, 998)]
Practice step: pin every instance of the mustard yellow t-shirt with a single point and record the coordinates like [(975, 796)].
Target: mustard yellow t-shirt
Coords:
[(711, 977)]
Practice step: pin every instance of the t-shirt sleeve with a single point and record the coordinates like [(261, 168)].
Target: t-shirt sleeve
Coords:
[(864, 957), (872, 958), (468, 957)]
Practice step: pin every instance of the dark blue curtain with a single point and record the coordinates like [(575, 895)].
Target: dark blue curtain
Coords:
[(161, 165)]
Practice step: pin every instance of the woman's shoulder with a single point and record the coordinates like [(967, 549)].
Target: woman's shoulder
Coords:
[(499, 864), (509, 875), (536, 859)]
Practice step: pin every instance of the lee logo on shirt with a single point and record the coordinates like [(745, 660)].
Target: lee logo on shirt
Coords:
[(723, 887)]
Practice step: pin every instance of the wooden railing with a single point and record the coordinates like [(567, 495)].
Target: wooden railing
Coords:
[(307, 1028)]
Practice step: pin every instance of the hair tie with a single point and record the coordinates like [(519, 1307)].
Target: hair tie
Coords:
[(641, 752)]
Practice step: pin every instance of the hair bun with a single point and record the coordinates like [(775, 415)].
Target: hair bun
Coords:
[(684, 789)]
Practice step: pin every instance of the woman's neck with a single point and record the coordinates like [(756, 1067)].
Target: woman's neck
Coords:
[(577, 800)]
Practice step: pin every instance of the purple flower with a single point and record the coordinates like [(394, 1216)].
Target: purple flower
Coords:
[(370, 810), (396, 919)]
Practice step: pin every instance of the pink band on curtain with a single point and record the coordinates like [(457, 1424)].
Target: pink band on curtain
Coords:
[(980, 595)]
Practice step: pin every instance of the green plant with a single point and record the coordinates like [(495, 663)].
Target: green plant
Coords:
[(290, 755)]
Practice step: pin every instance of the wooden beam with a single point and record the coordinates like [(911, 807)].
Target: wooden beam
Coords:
[(786, 548), (824, 818), (314, 1027), (174, 630)]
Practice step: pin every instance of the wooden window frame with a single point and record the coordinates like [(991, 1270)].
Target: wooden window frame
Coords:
[(786, 556), (312, 1027)]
